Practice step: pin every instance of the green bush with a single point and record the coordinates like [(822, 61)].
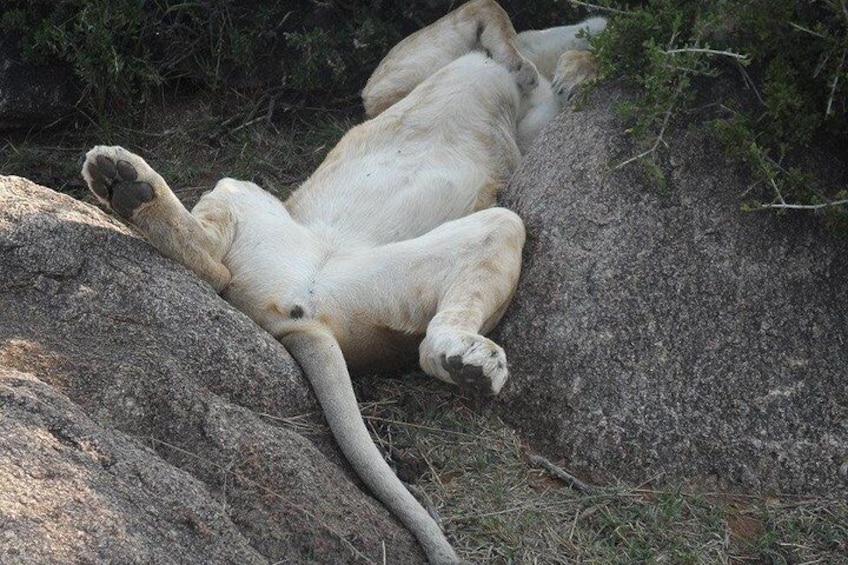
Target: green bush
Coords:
[(104, 42), (786, 61), (122, 51)]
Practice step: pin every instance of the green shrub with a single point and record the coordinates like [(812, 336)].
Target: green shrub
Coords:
[(122, 51), (790, 56), (104, 41)]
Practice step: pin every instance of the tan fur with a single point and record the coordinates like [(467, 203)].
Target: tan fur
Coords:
[(479, 24), (574, 68), (391, 251)]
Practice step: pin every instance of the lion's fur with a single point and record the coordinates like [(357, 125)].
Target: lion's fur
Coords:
[(392, 249)]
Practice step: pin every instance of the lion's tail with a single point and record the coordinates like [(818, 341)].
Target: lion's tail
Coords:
[(320, 356)]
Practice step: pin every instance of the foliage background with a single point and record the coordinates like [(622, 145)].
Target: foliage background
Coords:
[(261, 90), (768, 76), (122, 50)]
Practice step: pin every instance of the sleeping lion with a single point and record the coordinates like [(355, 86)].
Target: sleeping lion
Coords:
[(393, 248)]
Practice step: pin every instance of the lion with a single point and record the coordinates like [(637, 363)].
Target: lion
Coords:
[(393, 248)]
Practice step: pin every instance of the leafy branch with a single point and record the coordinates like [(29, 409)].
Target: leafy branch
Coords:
[(793, 64)]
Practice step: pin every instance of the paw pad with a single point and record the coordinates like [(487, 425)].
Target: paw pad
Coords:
[(115, 182), (472, 362), (470, 378)]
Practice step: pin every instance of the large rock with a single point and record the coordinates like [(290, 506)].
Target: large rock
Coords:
[(143, 417), (74, 492), (672, 336)]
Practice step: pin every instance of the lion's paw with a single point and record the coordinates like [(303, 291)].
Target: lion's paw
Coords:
[(468, 360), (573, 69), (119, 179)]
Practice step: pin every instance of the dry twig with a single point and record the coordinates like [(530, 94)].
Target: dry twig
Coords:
[(561, 474), (596, 7)]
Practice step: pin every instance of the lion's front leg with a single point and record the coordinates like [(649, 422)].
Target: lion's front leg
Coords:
[(472, 302)]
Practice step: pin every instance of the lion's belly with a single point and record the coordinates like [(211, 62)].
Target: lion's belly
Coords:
[(394, 197), (436, 156)]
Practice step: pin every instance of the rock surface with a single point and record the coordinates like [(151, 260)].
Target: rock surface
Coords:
[(142, 416), (673, 337)]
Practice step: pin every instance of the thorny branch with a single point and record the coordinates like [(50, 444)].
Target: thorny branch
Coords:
[(783, 205), (596, 7), (660, 135), (835, 82), (706, 51), (786, 206)]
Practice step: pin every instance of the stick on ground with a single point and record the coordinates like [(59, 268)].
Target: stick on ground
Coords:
[(561, 474)]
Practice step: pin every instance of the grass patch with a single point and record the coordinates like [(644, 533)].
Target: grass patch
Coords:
[(192, 143), (497, 508)]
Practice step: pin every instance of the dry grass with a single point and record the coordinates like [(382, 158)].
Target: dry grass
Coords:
[(191, 143), (498, 508)]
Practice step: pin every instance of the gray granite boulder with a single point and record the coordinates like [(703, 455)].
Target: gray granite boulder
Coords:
[(673, 337), (144, 417), (74, 492)]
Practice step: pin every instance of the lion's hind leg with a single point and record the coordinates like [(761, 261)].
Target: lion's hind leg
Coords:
[(126, 184), (545, 46), (454, 348), (452, 284)]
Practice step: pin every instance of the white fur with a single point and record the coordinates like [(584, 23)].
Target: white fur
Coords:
[(391, 250)]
